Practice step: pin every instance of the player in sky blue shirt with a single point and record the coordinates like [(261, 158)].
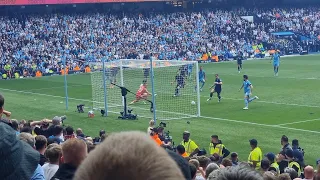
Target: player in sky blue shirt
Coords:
[(247, 87), (202, 77), (276, 62)]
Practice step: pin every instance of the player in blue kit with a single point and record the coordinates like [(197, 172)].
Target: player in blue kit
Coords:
[(190, 67), (202, 78), (247, 87), (216, 88), (276, 62)]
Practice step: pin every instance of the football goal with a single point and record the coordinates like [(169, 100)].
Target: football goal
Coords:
[(173, 86)]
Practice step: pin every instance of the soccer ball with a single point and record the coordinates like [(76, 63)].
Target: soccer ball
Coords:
[(193, 103)]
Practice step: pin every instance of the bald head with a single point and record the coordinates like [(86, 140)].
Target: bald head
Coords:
[(308, 172)]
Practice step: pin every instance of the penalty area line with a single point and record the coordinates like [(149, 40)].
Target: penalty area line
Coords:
[(298, 122), (258, 124)]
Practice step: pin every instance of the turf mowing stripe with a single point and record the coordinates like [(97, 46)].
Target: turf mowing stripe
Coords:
[(213, 118), (298, 122), (235, 99)]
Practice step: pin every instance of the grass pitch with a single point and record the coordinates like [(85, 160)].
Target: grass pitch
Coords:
[(288, 105)]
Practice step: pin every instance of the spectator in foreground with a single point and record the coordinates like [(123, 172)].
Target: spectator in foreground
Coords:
[(265, 165), (112, 159), (53, 154), (269, 176), (41, 146), (236, 173), (292, 173), (151, 126), (234, 159), (29, 139), (57, 133), (193, 171), (181, 151), (15, 126), (74, 151), (210, 168), (308, 173), (203, 161), (284, 176), (18, 159), (200, 173), (182, 164), (69, 133), (1, 105)]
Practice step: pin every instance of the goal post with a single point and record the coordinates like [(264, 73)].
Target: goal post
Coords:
[(173, 85)]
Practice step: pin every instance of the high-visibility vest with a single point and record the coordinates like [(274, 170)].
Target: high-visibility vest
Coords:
[(4, 76), (16, 75), (296, 164), (276, 166), (216, 150)]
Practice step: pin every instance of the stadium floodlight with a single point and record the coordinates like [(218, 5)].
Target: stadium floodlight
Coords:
[(174, 87)]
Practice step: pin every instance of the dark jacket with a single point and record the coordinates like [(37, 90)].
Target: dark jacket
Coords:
[(298, 155), (65, 172)]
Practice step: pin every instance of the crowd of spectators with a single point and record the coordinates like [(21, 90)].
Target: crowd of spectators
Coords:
[(43, 42), (46, 150)]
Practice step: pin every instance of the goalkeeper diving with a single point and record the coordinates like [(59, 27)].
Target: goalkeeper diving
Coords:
[(142, 93)]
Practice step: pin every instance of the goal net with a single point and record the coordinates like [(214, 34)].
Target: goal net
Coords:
[(175, 87)]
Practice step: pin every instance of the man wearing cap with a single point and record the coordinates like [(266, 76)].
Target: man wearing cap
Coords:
[(18, 159), (190, 146), (255, 156), (274, 166), (216, 147), (291, 163)]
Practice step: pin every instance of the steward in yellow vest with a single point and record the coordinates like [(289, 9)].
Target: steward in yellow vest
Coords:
[(274, 166), (216, 148), (292, 163)]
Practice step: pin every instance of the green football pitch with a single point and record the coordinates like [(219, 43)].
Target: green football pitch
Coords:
[(288, 105)]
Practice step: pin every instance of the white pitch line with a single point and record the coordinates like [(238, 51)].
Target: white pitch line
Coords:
[(257, 124), (278, 77), (220, 119), (298, 122)]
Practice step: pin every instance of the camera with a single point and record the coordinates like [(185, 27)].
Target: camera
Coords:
[(80, 108), (162, 124), (63, 118)]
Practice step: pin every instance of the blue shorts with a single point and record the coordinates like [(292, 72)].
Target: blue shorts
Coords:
[(201, 80), (276, 64), (247, 93)]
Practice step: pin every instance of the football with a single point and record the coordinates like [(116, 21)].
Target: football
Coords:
[(193, 103)]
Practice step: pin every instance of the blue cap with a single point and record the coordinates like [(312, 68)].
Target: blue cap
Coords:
[(271, 156)]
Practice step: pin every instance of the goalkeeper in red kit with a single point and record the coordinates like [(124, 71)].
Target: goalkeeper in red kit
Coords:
[(142, 93)]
